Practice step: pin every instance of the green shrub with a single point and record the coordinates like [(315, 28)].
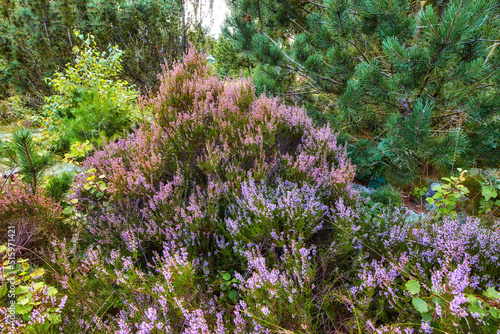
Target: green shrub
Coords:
[(94, 114), (58, 186), (90, 98), (37, 306), (387, 195)]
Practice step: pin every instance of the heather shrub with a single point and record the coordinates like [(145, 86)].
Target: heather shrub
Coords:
[(274, 216), (454, 263), (165, 298), (170, 179), (35, 217), (221, 183)]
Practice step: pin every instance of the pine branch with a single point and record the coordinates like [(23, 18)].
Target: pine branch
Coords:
[(30, 164)]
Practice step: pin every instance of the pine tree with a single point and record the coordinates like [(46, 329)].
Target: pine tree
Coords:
[(21, 154), (419, 80)]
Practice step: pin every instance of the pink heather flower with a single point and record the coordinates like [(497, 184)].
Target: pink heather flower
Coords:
[(151, 314), (221, 329), (426, 327), (127, 263), (439, 310), (145, 328), (124, 327), (62, 303), (455, 305)]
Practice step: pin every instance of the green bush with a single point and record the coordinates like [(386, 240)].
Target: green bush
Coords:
[(58, 186), (90, 98), (37, 306), (387, 195)]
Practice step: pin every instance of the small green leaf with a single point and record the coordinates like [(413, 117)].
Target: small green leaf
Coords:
[(20, 309), (52, 292), (472, 299), (427, 316), (488, 192), (495, 313), (39, 285), (23, 300), (233, 295), (3, 290), (226, 276), (492, 293), (55, 318), (68, 210), (22, 289), (413, 286), (477, 309), (37, 273), (420, 305)]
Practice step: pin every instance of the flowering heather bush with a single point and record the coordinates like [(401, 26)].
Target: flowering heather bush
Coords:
[(36, 218), (167, 181), (453, 262), (233, 214), (229, 184)]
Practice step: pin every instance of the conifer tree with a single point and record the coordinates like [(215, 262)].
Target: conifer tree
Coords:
[(415, 85), (21, 154)]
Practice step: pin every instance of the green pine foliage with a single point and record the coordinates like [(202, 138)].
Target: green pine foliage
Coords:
[(58, 186), (23, 156), (95, 113), (419, 80)]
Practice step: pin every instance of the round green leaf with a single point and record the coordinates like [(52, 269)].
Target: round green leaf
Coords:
[(413, 286), (420, 305)]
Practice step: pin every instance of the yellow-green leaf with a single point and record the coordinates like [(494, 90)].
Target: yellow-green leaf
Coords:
[(413, 286)]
